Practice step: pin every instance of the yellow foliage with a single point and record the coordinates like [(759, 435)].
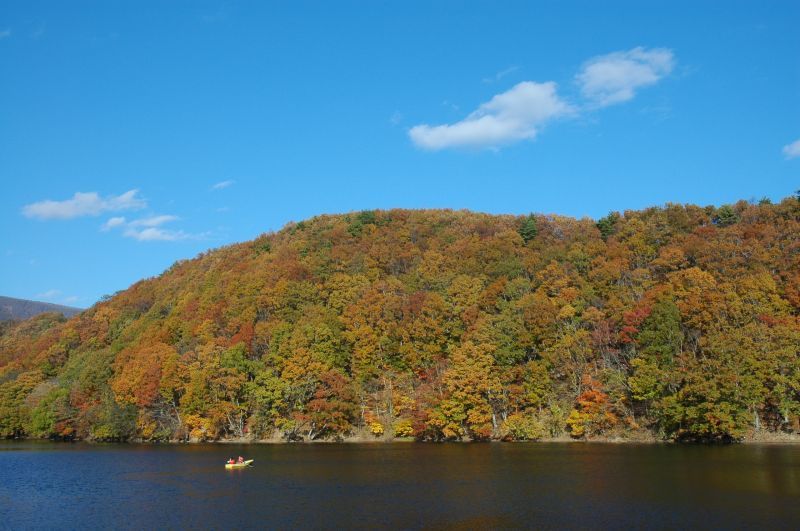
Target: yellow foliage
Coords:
[(376, 428), (403, 428), (567, 312), (199, 428), (521, 427), (145, 426), (576, 422)]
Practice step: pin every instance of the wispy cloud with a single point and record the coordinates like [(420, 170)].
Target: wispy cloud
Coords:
[(450, 105), (396, 118), (791, 151), (55, 295), (148, 229), (156, 234), (510, 116), (614, 78), (49, 294), (113, 222), (501, 74), (222, 184), (84, 204), (153, 221), (4, 34)]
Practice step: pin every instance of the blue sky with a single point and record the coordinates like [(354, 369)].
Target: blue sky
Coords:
[(183, 126)]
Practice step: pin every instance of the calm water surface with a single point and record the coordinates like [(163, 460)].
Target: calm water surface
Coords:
[(457, 486)]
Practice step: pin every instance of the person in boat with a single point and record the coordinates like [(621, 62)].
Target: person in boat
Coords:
[(241, 459), (230, 460)]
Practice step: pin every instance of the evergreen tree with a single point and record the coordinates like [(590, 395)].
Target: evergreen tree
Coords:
[(726, 216), (607, 225), (529, 228)]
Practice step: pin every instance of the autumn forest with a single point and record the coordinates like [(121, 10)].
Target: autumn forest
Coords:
[(676, 323)]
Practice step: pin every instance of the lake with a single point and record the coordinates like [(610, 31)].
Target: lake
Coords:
[(401, 485)]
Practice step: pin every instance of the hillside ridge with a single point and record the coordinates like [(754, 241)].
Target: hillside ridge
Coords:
[(677, 322)]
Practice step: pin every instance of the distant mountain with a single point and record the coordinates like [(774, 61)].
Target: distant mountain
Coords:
[(17, 309)]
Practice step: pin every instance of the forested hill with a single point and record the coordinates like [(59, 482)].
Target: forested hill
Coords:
[(16, 309), (678, 322)]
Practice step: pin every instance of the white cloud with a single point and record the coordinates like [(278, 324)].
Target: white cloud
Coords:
[(84, 204), (153, 234), (792, 150), (49, 294), (149, 229), (511, 116), (113, 222), (71, 299), (615, 77), (521, 112), (5, 34), (222, 184), (153, 221)]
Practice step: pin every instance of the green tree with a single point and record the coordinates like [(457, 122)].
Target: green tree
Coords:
[(529, 228), (726, 216), (608, 225), (661, 337)]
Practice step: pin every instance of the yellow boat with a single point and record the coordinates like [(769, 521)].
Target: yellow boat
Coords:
[(239, 465)]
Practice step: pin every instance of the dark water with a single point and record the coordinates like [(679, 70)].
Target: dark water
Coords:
[(399, 486)]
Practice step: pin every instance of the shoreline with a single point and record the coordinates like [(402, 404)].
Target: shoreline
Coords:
[(769, 440)]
